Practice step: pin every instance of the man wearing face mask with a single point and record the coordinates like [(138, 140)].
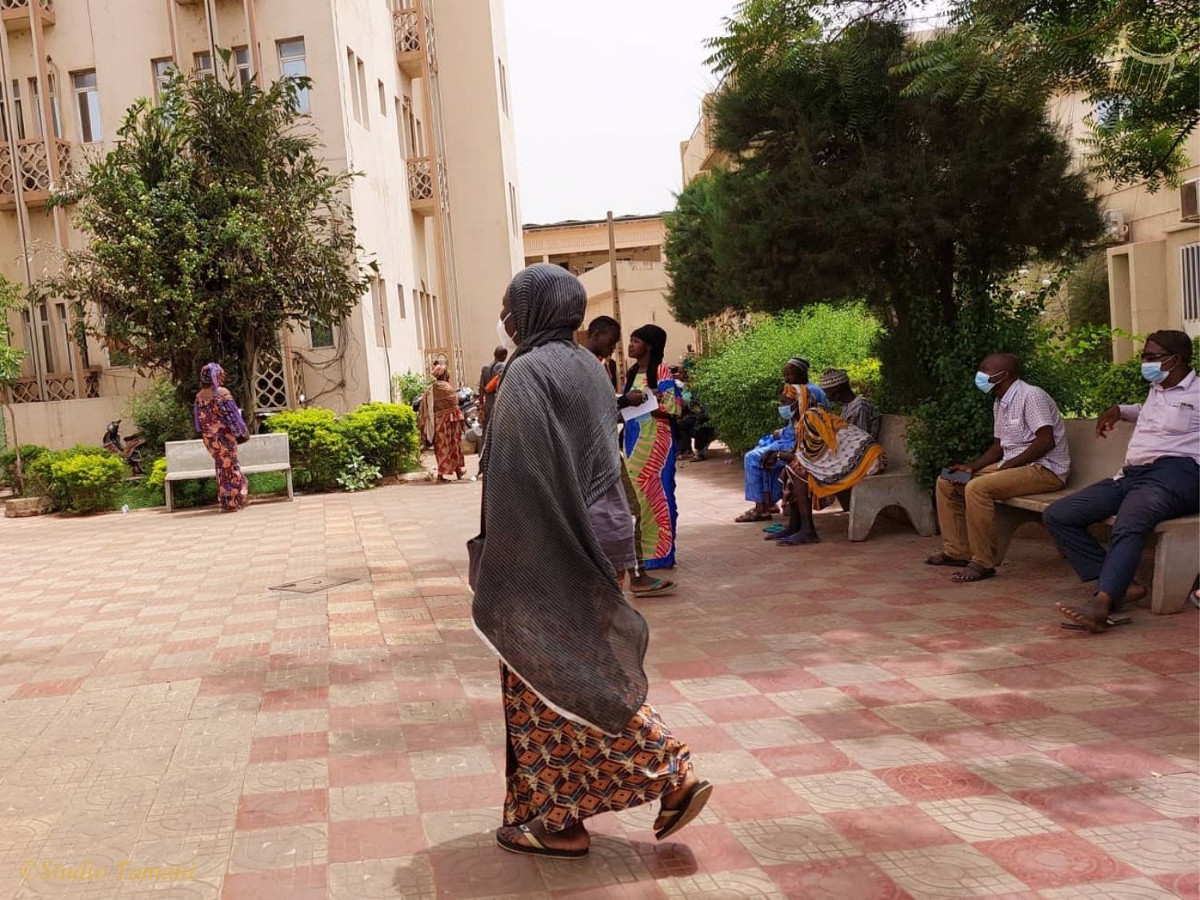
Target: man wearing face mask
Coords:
[(1028, 455), (1160, 480)]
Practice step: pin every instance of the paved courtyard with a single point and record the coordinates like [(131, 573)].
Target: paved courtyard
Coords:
[(873, 730)]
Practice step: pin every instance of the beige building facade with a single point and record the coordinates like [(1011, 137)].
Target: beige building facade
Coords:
[(413, 94), (642, 285), (1153, 241)]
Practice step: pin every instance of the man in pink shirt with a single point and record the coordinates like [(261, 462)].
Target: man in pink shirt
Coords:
[(1160, 480)]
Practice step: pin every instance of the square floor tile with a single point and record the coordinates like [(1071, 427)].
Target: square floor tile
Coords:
[(977, 819), (1055, 860), (948, 872), (844, 790), (1155, 848), (891, 828), (791, 839)]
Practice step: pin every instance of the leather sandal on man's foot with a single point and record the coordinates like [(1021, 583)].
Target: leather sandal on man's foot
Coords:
[(941, 559)]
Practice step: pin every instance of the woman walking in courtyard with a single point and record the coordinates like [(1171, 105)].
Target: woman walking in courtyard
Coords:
[(581, 739), (220, 425), (443, 424), (650, 454)]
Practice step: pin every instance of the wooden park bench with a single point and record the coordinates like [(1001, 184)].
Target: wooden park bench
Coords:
[(894, 486), (262, 453), (1177, 554)]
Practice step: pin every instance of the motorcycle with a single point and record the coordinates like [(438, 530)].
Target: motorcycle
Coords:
[(130, 450)]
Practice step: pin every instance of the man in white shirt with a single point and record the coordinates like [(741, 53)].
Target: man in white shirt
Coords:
[(1160, 480), (1028, 455)]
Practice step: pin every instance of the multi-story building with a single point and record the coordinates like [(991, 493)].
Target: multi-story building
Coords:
[(413, 94), (641, 284)]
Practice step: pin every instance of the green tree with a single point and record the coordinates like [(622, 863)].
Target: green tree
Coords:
[(212, 225), (845, 186), (695, 292), (10, 371), (1136, 61)]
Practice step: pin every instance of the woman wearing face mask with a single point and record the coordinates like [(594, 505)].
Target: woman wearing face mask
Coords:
[(581, 739), (1160, 480)]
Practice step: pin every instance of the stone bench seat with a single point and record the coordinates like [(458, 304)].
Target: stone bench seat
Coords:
[(894, 486), (1093, 459), (188, 460)]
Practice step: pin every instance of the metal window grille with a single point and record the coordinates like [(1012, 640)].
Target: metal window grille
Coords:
[(1189, 256)]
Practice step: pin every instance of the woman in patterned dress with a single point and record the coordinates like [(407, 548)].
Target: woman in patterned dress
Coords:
[(650, 454), (444, 422), (581, 738), (219, 423)]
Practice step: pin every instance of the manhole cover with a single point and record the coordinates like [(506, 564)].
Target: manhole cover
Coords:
[(312, 585)]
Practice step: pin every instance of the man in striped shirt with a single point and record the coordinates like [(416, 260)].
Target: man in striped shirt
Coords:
[(1028, 455)]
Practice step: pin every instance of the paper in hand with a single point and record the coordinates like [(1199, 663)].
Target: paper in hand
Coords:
[(647, 406)]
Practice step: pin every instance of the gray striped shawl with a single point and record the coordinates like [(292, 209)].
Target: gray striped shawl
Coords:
[(546, 596)]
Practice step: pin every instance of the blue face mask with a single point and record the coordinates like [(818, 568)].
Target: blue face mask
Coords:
[(984, 382), (1154, 373), (785, 413)]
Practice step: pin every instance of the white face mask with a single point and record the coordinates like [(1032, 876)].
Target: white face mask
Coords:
[(506, 340)]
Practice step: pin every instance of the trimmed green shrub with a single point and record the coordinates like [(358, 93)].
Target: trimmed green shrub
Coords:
[(39, 476), (87, 483), (159, 417), (8, 462), (319, 449), (739, 383), (358, 475), (158, 475), (384, 434)]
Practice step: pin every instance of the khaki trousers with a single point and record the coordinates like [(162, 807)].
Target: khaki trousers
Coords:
[(967, 512)]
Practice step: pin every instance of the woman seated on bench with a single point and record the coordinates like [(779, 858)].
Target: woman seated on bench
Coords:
[(1160, 481)]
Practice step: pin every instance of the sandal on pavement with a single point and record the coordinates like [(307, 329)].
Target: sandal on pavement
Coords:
[(534, 847), (1090, 617), (753, 515), (692, 805), (775, 529), (971, 573), (660, 588), (795, 540), (941, 559)]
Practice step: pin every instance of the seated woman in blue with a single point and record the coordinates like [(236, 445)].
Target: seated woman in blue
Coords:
[(762, 466)]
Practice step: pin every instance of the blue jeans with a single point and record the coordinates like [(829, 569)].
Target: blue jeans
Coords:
[(1142, 498)]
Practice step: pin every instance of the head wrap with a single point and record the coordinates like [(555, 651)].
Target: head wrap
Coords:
[(832, 378), (799, 362), (656, 339), (546, 595), (438, 370), (210, 376), (547, 303)]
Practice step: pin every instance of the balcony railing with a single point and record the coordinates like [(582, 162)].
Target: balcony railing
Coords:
[(34, 167), (59, 386), (16, 13), (422, 183), (410, 41)]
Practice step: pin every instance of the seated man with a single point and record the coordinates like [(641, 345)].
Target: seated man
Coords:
[(1028, 456), (1160, 480), (859, 411), (762, 465)]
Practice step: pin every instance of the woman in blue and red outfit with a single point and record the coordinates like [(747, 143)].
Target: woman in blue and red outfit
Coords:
[(650, 455)]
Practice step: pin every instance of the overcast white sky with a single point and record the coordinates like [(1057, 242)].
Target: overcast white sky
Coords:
[(602, 96)]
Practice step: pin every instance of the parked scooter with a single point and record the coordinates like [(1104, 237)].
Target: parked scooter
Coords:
[(130, 450)]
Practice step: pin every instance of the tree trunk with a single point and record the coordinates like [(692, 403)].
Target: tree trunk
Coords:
[(250, 379), (19, 470)]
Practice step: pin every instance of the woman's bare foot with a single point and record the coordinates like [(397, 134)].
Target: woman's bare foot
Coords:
[(675, 798), (574, 838)]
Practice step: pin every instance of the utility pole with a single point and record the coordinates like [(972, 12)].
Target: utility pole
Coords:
[(616, 292)]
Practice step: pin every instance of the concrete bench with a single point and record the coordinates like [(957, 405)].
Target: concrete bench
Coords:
[(262, 453), (1093, 459), (894, 486)]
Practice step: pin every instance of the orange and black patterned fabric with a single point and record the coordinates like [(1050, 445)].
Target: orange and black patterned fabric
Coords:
[(560, 773)]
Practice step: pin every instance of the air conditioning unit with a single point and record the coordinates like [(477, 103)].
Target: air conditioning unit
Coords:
[(1115, 228), (1189, 201)]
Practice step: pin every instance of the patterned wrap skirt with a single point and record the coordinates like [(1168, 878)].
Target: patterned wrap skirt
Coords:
[(560, 773), (447, 442)]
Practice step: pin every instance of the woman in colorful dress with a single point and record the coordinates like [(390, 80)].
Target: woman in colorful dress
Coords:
[(831, 457), (650, 454), (443, 423), (220, 425), (581, 738)]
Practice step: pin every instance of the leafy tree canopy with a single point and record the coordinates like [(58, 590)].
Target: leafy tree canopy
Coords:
[(695, 292), (211, 225), (1001, 53)]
